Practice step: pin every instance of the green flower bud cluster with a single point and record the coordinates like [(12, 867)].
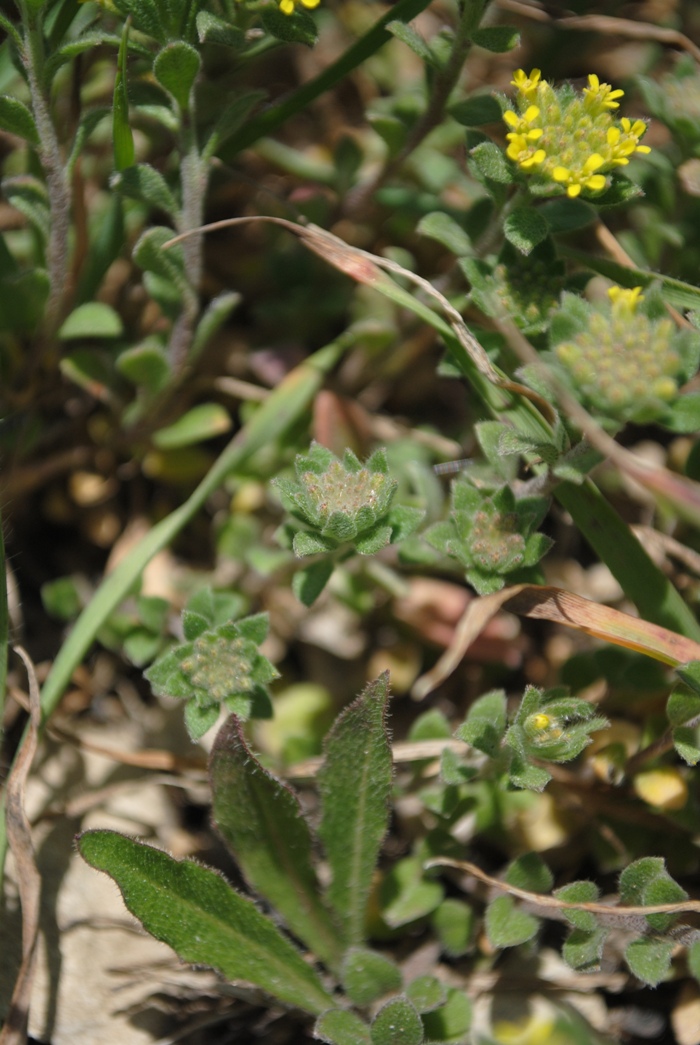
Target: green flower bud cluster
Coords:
[(525, 289), (622, 362), (549, 726), (491, 535), (568, 140), (675, 99), (219, 663), (343, 502)]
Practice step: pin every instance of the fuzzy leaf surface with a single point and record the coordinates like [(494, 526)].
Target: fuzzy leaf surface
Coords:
[(260, 820), (341, 1027), (194, 911), (355, 785)]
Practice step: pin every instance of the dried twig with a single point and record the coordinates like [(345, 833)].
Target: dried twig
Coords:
[(554, 903), (19, 838)]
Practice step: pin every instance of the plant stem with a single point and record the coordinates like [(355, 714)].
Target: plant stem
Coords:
[(444, 82), (274, 116), (193, 182), (57, 183)]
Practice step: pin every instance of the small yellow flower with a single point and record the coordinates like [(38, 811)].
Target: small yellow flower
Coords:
[(521, 152), (625, 300), (600, 96), (584, 178), (287, 6), (526, 85)]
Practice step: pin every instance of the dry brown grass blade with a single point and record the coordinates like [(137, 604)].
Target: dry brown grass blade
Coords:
[(370, 269), (616, 911), (606, 24), (562, 607), (19, 838)]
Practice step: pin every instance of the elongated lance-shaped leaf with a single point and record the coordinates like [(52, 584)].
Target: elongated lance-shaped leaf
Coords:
[(355, 785), (194, 911), (619, 548), (260, 820)]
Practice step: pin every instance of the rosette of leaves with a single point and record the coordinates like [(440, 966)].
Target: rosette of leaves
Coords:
[(625, 360), (339, 507), (219, 663), (493, 535)]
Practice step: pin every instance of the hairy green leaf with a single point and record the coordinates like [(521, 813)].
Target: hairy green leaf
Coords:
[(260, 819), (203, 919), (355, 785)]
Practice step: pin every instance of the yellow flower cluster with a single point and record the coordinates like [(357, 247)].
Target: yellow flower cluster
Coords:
[(287, 6), (569, 138)]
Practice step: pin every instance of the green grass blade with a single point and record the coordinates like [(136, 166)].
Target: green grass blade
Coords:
[(675, 291), (355, 786), (196, 912), (260, 820), (612, 540), (4, 628), (273, 117)]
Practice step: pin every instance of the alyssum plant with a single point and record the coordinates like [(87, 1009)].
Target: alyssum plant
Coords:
[(356, 993)]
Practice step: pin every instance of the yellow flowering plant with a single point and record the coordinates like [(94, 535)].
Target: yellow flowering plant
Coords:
[(570, 141), (432, 208)]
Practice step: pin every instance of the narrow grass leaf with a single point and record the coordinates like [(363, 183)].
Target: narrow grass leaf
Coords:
[(194, 911), (355, 785), (260, 820)]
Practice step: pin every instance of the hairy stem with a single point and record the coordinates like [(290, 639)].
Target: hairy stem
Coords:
[(443, 84), (57, 183), (193, 181)]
